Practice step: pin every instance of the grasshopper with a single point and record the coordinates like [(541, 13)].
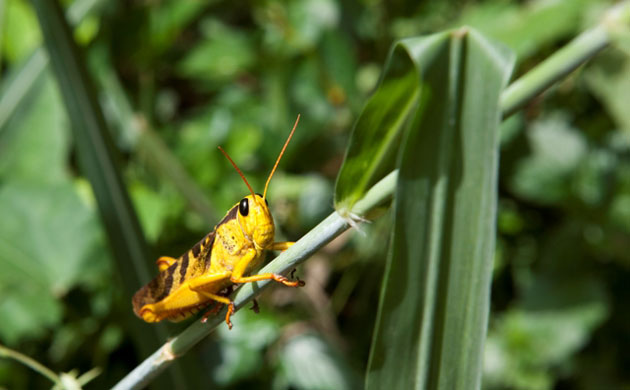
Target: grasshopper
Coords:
[(221, 259)]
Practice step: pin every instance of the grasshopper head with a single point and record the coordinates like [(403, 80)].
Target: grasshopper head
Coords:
[(253, 210), (256, 221)]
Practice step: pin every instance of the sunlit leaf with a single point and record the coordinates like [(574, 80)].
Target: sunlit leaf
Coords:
[(435, 295), (376, 133)]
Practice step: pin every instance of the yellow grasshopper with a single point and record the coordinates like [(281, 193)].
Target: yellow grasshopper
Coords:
[(231, 250)]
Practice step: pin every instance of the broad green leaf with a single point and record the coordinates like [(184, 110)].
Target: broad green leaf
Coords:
[(27, 311), (47, 234), (35, 145), (435, 295), (50, 233), (46, 237)]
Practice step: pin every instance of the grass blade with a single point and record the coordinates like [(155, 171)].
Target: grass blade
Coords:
[(97, 155), (435, 296), (98, 160)]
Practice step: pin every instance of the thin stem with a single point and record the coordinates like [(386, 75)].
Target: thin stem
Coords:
[(584, 47), (88, 376), (29, 362), (553, 69)]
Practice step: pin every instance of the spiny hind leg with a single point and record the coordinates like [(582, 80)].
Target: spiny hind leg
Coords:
[(164, 262), (269, 276)]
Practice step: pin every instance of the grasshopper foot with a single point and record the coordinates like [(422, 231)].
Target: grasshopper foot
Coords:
[(287, 282), (229, 314)]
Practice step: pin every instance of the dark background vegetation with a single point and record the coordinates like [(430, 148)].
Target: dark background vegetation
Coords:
[(199, 74)]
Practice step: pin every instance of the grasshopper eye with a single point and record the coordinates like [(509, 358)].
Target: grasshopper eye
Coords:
[(243, 207)]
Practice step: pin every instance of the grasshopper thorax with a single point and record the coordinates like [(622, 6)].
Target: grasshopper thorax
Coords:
[(255, 221)]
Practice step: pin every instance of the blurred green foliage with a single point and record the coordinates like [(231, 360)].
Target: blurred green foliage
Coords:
[(203, 74)]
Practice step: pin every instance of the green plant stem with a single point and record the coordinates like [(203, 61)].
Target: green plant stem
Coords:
[(88, 376), (578, 51), (27, 361), (584, 47), (556, 67)]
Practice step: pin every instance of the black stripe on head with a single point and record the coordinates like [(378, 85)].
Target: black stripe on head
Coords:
[(184, 266), (229, 216)]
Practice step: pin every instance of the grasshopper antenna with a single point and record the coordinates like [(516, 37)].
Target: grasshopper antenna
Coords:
[(280, 156), (238, 170)]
